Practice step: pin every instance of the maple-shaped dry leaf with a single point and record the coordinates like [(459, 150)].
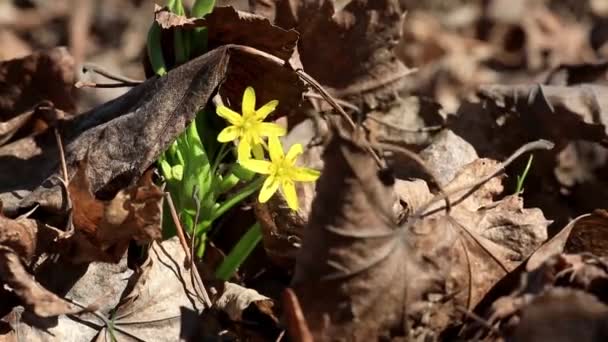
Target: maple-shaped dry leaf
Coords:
[(350, 274), (481, 240), (103, 229)]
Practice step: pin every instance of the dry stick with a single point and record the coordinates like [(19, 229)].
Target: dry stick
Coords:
[(327, 97), (472, 187), (341, 102), (413, 156), (81, 84), (198, 281), (109, 75), (182, 240), (478, 319), (178, 227)]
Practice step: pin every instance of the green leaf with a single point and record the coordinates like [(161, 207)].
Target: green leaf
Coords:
[(202, 7), (155, 51), (239, 253)]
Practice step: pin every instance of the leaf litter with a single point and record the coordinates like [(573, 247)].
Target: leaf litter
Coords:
[(413, 230)]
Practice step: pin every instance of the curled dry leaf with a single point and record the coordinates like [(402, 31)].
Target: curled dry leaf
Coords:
[(350, 274), (103, 229), (18, 243), (34, 297), (124, 137), (565, 288), (97, 286), (234, 300)]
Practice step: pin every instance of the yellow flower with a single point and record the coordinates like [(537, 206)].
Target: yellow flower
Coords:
[(281, 171), (249, 128)]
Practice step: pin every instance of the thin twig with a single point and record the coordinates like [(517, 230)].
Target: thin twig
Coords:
[(178, 227), (326, 96), (341, 102), (474, 186), (413, 156), (109, 75), (477, 319), (81, 84), (197, 281)]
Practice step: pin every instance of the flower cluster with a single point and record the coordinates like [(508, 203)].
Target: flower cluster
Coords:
[(249, 129)]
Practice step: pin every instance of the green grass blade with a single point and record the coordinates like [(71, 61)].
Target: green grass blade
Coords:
[(239, 253), (522, 177)]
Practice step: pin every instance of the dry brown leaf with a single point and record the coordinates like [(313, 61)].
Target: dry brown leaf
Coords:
[(41, 76), (556, 113), (350, 274), (356, 40), (225, 26), (481, 240), (34, 297), (97, 285), (152, 310), (124, 137), (565, 288), (103, 229), (235, 299), (10, 127), (564, 315)]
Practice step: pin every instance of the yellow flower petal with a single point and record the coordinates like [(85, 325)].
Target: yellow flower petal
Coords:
[(294, 151), (304, 174), (269, 129), (243, 150), (258, 151), (288, 188), (260, 166), (248, 105), (270, 186), (229, 133), (266, 109), (230, 115), (275, 149)]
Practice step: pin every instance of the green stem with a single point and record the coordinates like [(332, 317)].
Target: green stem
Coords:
[(237, 198), (218, 158), (239, 253)]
